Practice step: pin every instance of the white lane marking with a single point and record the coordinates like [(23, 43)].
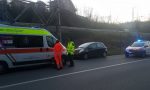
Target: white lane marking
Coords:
[(67, 74)]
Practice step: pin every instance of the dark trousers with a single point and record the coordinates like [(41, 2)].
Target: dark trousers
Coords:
[(70, 59)]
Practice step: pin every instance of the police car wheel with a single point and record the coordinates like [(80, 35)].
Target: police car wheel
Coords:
[(85, 57), (143, 55), (127, 55)]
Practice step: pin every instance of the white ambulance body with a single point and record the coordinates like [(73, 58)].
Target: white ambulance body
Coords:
[(20, 46)]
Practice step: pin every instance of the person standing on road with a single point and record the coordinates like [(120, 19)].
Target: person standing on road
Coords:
[(58, 49), (70, 52)]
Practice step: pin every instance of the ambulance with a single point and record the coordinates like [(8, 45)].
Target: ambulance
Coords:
[(23, 46)]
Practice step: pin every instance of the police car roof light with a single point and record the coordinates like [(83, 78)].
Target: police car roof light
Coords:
[(139, 40)]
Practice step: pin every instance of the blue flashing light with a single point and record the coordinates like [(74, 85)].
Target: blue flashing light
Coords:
[(139, 40)]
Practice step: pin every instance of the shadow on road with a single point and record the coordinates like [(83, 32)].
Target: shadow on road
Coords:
[(30, 68)]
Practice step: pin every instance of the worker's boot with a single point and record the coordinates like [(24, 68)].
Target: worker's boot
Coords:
[(61, 66), (58, 67)]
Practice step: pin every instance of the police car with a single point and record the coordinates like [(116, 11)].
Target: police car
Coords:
[(23, 46), (138, 48)]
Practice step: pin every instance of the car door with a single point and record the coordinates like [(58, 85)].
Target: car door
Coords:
[(148, 48), (92, 50), (100, 49), (50, 42)]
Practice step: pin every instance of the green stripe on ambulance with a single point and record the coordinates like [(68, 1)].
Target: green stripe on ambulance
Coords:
[(23, 31)]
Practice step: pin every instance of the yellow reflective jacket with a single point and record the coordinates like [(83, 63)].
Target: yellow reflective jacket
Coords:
[(70, 47)]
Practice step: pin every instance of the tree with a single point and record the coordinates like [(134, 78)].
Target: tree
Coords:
[(16, 6), (88, 12)]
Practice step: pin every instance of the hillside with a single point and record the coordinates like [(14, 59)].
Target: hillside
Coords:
[(137, 26), (73, 20)]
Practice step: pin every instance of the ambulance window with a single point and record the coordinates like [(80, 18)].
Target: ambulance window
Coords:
[(36, 41), (7, 41), (28, 41), (51, 41)]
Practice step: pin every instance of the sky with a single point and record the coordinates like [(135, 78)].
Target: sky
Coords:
[(114, 10)]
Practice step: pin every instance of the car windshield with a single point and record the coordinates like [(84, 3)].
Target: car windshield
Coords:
[(138, 44), (84, 45)]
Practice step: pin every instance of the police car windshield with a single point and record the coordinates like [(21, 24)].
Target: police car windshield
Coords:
[(138, 44)]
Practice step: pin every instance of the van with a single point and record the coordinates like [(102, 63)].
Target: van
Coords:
[(23, 46)]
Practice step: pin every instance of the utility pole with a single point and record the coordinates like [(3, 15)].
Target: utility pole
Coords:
[(4, 10), (59, 21)]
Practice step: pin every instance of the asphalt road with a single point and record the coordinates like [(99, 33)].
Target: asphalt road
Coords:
[(111, 73)]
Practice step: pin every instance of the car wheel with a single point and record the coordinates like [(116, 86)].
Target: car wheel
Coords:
[(3, 68), (85, 57), (143, 55), (126, 55), (104, 54)]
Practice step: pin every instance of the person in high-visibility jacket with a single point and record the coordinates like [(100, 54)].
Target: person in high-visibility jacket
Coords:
[(58, 49), (70, 52)]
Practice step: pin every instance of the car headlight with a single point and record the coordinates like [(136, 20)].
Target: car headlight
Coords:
[(81, 50), (64, 52), (127, 50)]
